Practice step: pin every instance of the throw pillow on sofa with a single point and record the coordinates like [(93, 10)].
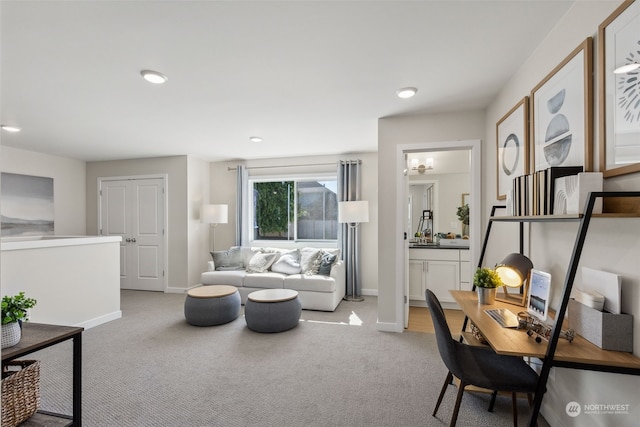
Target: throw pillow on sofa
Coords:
[(286, 264), (228, 260), (309, 261), (326, 262), (261, 262)]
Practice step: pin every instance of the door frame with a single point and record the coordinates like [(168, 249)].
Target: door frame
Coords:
[(402, 260), (165, 207)]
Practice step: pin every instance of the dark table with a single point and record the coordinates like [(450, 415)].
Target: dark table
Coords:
[(37, 336)]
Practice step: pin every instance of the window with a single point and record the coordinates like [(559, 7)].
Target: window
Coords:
[(295, 209)]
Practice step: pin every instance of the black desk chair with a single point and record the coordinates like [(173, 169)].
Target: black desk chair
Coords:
[(478, 366)]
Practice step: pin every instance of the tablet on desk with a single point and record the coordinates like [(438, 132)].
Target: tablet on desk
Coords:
[(537, 301)]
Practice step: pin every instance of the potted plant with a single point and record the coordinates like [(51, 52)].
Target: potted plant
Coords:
[(486, 281), (14, 311), (463, 216)]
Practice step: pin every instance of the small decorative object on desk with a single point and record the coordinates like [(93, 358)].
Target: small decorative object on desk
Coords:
[(14, 310), (486, 281)]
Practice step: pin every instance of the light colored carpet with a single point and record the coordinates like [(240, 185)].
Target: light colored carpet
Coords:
[(151, 368)]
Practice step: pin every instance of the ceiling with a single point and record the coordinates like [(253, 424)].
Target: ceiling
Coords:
[(309, 77)]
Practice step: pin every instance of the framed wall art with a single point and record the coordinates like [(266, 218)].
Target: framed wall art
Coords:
[(512, 147), (562, 113), (619, 90), (27, 205)]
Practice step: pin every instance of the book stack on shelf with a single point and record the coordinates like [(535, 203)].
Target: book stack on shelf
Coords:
[(534, 194)]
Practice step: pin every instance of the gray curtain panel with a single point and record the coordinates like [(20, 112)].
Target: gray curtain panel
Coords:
[(241, 191), (349, 177)]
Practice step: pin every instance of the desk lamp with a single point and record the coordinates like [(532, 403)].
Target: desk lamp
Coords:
[(514, 272)]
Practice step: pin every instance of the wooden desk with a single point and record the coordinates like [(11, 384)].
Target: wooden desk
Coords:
[(516, 342), (37, 336)]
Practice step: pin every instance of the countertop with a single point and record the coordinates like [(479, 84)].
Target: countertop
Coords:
[(435, 246)]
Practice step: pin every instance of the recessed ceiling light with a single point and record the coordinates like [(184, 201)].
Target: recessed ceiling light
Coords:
[(406, 92), (10, 128), (255, 139), (153, 76), (627, 68)]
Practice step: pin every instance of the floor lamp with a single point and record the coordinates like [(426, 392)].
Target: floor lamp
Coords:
[(353, 213), (214, 215)]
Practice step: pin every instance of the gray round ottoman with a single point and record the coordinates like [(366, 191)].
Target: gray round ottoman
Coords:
[(272, 310), (212, 305)]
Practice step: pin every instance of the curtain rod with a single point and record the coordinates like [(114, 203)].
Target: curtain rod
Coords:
[(229, 168)]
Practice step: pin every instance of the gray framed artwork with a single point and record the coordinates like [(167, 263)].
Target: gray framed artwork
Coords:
[(27, 205), (562, 113), (619, 90), (512, 147)]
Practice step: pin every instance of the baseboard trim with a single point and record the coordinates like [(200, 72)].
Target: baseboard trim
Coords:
[(369, 292), (388, 327), (180, 290), (100, 320)]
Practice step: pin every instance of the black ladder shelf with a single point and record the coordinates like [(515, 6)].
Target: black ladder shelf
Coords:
[(584, 220)]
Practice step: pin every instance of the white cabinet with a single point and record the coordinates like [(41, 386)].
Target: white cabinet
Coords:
[(439, 270), (465, 271)]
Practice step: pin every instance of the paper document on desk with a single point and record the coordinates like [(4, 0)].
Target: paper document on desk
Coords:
[(607, 284)]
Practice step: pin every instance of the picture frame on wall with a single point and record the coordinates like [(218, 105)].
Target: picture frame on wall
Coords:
[(618, 90), (562, 113), (512, 147)]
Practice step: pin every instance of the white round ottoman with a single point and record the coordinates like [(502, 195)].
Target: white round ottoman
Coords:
[(212, 305), (272, 310)]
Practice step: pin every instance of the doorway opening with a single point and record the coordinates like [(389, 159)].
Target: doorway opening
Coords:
[(463, 187)]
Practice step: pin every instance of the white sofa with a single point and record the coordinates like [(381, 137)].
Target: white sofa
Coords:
[(316, 291)]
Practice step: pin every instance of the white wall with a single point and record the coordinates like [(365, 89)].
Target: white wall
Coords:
[(394, 131), (177, 197), (198, 188), (223, 190), (68, 184), (611, 244)]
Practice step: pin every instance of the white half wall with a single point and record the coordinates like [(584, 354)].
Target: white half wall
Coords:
[(76, 281)]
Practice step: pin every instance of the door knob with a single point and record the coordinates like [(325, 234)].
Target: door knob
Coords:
[(127, 239), (133, 240)]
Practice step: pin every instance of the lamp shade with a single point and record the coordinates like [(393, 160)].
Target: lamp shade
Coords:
[(214, 214), (355, 211), (514, 269)]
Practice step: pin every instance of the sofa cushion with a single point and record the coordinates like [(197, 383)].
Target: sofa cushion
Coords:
[(326, 262), (315, 283), (228, 260), (309, 260), (261, 262), (230, 277), (248, 253), (268, 280), (286, 264)]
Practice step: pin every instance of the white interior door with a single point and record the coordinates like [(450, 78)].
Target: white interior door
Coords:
[(135, 210)]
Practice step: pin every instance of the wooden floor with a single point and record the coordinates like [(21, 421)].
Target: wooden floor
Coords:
[(420, 320)]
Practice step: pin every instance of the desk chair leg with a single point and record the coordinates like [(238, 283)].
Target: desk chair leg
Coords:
[(514, 403), (447, 381), (456, 408), (493, 400)]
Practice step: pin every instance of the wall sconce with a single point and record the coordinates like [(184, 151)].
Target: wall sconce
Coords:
[(427, 164), (514, 272), (214, 215)]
